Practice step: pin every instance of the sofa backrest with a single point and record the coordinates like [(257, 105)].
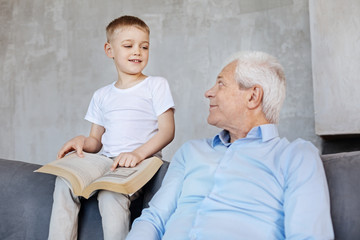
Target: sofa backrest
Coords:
[(343, 176), (24, 193)]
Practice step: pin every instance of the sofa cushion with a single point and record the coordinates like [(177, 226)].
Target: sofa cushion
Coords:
[(343, 176), (26, 200)]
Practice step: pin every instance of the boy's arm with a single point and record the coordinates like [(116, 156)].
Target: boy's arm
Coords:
[(163, 137), (91, 144)]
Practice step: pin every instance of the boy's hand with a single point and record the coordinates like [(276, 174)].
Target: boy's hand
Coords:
[(75, 144), (126, 159)]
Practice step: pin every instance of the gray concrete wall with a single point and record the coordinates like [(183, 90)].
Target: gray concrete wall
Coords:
[(335, 39), (52, 60)]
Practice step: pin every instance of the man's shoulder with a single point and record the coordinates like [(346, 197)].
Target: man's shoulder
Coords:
[(197, 143), (191, 147), (300, 145), (300, 152)]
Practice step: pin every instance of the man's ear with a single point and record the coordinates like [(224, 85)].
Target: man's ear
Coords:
[(108, 50), (256, 94)]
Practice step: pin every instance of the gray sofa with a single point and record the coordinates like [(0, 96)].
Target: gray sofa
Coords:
[(26, 200)]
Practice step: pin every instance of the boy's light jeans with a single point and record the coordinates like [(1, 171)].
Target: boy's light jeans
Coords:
[(113, 207)]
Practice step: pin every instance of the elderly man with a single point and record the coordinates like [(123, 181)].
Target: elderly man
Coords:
[(246, 182)]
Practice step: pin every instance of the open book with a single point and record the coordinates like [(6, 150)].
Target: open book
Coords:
[(92, 172)]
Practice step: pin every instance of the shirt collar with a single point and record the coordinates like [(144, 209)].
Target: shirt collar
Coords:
[(222, 138), (264, 132)]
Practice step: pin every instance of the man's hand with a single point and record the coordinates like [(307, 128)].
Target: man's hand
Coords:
[(75, 144), (126, 159)]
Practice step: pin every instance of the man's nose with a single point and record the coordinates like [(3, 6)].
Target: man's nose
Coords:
[(209, 93)]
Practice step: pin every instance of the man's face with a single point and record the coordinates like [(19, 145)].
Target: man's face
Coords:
[(227, 100)]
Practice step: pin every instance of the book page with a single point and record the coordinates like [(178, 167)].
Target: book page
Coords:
[(88, 168), (123, 174), (126, 180), (119, 175)]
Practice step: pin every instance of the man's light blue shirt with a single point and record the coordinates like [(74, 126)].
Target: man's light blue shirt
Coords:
[(258, 187)]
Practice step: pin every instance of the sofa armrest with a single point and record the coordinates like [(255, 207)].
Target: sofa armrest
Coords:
[(26, 200)]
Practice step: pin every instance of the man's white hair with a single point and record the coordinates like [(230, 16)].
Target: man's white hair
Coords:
[(265, 70)]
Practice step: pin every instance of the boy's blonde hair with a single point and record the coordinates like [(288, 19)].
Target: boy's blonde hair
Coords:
[(125, 21)]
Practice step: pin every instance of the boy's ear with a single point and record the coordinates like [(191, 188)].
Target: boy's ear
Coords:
[(108, 50), (255, 98)]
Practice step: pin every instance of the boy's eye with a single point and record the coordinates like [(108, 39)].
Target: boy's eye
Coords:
[(145, 47), (127, 46)]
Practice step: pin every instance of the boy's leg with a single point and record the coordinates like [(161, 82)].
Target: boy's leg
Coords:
[(115, 213), (64, 215)]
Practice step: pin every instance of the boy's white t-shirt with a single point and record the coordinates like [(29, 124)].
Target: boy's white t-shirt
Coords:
[(129, 116)]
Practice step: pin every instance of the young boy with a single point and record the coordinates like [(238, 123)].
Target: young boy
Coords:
[(132, 119)]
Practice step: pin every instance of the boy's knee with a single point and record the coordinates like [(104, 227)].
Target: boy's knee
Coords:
[(63, 191), (108, 197), (60, 183)]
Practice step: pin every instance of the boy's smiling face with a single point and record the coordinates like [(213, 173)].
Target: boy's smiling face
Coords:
[(129, 47)]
